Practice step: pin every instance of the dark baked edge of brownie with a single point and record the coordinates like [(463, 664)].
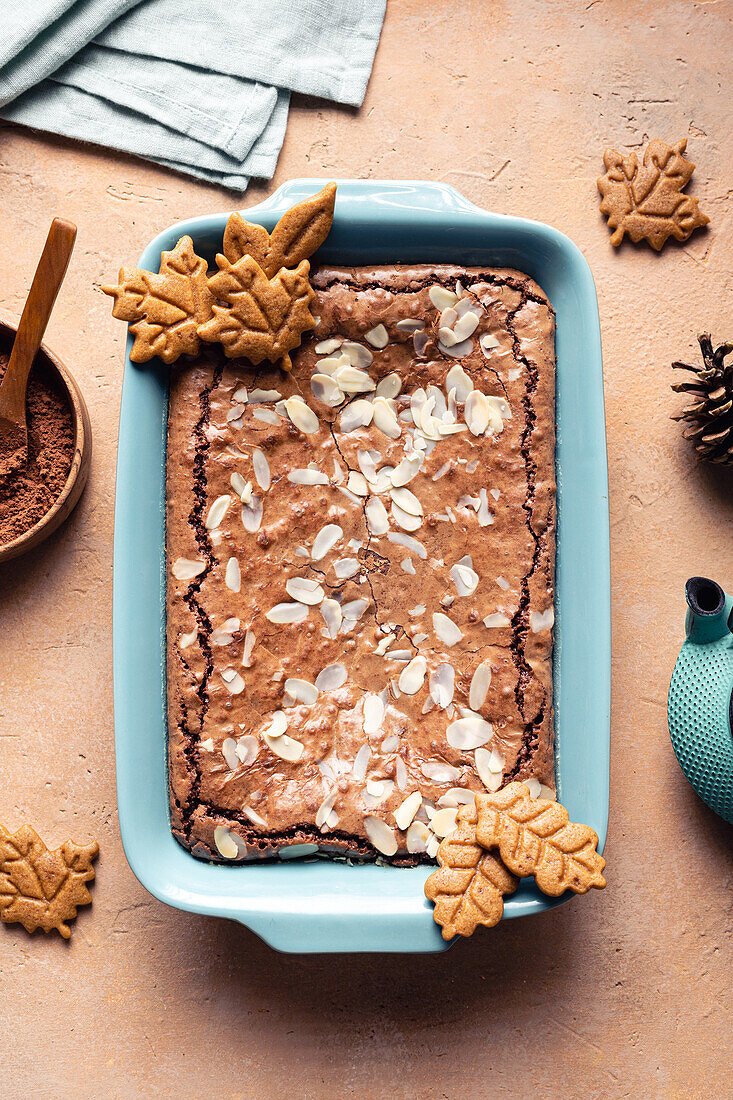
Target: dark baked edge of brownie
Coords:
[(265, 844)]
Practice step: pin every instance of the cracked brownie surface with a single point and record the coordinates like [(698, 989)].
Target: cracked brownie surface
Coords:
[(360, 569)]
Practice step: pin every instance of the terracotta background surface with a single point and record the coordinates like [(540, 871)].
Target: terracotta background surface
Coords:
[(622, 993)]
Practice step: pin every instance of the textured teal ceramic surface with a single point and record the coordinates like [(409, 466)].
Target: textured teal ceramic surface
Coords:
[(698, 707), (325, 906)]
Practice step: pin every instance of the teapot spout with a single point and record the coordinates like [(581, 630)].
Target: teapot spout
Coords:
[(708, 610)]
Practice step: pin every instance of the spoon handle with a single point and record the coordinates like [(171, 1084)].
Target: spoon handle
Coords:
[(36, 312)]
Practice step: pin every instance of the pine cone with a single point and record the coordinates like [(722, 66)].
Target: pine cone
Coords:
[(710, 416)]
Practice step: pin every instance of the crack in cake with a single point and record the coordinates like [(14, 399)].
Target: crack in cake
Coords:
[(360, 568)]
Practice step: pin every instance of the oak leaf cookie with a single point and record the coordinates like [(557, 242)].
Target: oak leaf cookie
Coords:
[(166, 309), (646, 200), (40, 888), (535, 837), (469, 888)]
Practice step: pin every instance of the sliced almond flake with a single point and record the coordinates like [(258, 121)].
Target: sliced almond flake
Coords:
[(358, 414), (240, 394), (384, 645), (514, 373), (547, 793), (325, 540), (469, 733), (439, 772), (261, 468), (325, 347), (307, 477), (235, 413), (354, 609), (410, 325), (287, 613), (407, 809), (487, 342), (331, 677), (326, 389), (253, 816), (391, 743), (228, 844), (379, 788), (207, 745), (418, 399), (389, 386), (223, 635), (305, 590), (457, 351), (385, 419), (238, 484), (233, 576), (443, 823), (477, 412), (408, 542), (406, 500), (408, 567), (472, 466), (376, 517), (406, 469), (382, 481), (257, 395), (246, 495), (357, 484), (378, 336), (464, 578), (489, 776), (380, 834), (468, 304), (418, 639), (187, 640), (420, 342), (412, 677), (361, 763), (503, 584), (442, 685), (349, 495), (485, 518), (446, 335), (252, 515), (441, 472), (325, 808), (399, 655), (497, 619), (183, 569), (400, 773), (373, 713), (332, 364), (346, 567), (268, 416), (541, 620), (331, 611), (455, 797), (404, 520), (249, 644), (457, 379), (416, 611), (442, 298), (229, 752), (417, 837), (465, 326), (302, 552), (479, 686), (446, 629), (302, 416), (278, 725), (448, 317), (233, 681), (287, 748), (353, 380), (357, 354)]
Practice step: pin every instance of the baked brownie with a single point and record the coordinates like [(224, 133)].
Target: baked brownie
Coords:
[(360, 569)]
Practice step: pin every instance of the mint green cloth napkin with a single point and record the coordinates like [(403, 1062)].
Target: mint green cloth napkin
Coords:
[(200, 86)]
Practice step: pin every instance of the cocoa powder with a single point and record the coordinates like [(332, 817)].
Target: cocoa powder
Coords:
[(27, 495)]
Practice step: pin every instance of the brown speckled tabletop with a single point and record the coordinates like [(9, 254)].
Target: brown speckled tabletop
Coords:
[(626, 992)]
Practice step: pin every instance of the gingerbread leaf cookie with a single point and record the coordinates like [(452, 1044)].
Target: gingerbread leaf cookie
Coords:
[(41, 888), (468, 889), (256, 317), (646, 200), (165, 309), (535, 837)]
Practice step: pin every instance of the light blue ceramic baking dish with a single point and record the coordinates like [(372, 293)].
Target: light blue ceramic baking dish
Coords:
[(319, 905)]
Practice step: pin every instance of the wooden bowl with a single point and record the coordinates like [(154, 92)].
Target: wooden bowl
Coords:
[(79, 471)]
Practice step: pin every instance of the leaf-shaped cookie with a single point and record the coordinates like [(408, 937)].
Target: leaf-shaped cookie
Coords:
[(646, 200), (535, 837), (468, 888), (165, 308), (41, 888), (301, 230), (262, 318)]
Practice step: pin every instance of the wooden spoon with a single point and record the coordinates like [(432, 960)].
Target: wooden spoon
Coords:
[(36, 312)]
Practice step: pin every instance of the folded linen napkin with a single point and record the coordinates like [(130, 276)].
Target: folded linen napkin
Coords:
[(202, 87)]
